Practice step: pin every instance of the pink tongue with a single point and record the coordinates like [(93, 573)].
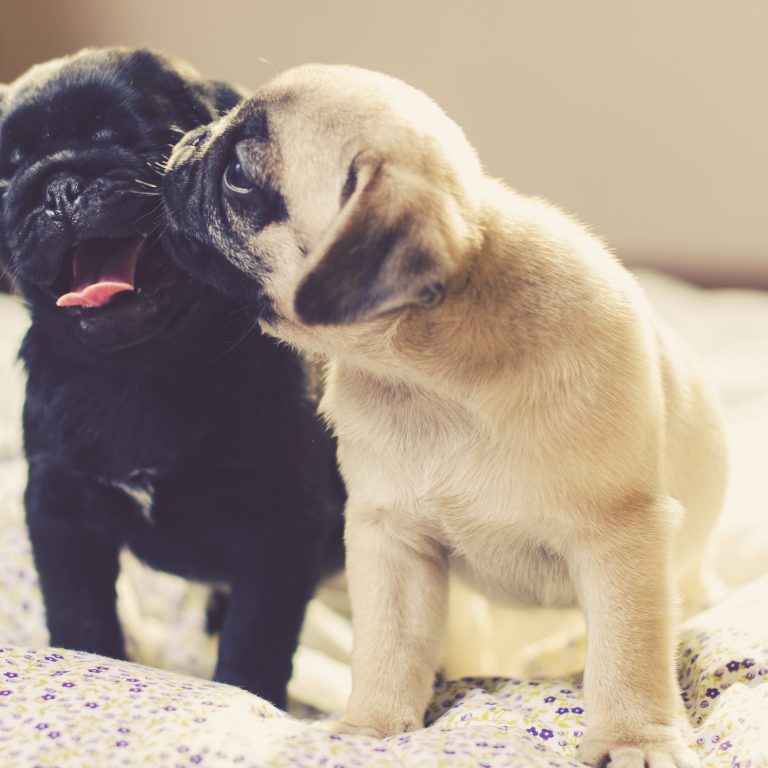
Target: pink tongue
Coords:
[(101, 269)]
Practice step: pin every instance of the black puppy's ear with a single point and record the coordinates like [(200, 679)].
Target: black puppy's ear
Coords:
[(392, 247), (211, 98), (223, 96)]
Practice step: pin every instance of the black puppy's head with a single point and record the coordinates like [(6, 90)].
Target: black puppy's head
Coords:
[(83, 140)]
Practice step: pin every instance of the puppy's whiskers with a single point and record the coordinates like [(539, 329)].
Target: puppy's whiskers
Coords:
[(150, 213), (157, 232), (161, 166)]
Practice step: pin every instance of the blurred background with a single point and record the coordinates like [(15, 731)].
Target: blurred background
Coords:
[(647, 120)]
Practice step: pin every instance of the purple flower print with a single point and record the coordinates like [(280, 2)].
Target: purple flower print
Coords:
[(54, 735), (577, 710), (545, 734), (11, 675), (747, 663), (713, 693), (549, 699), (532, 731), (67, 685), (732, 666), (91, 704), (121, 743), (41, 726), (726, 745), (562, 711), (48, 696), (5, 693)]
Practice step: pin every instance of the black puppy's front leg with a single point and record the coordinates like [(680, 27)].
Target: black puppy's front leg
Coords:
[(76, 558), (264, 618)]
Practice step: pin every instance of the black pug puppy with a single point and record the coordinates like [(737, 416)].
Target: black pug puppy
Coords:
[(157, 416)]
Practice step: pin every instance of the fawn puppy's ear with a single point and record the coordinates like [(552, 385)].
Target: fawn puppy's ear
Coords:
[(390, 247)]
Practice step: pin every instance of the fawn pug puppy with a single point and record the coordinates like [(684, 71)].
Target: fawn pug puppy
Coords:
[(505, 402)]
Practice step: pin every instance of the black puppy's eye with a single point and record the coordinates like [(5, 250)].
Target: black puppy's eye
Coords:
[(235, 180)]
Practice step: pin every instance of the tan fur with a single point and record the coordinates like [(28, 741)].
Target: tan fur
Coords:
[(538, 432)]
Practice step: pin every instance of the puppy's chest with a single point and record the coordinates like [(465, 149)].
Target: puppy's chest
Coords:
[(413, 432), (434, 466)]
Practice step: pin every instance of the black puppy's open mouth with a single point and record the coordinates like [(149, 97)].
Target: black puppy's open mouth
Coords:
[(100, 269)]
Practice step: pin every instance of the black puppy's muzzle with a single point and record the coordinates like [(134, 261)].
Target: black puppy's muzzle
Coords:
[(70, 198), (62, 196)]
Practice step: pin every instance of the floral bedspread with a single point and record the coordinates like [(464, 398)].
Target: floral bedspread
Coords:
[(62, 709)]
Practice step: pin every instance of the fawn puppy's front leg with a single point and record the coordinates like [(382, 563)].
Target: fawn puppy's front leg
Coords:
[(398, 587), (624, 578)]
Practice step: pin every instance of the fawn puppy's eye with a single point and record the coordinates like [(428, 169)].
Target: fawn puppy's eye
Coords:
[(235, 180)]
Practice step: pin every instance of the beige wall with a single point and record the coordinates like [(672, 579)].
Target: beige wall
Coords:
[(648, 120)]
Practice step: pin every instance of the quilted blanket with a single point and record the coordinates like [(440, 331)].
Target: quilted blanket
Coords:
[(65, 709)]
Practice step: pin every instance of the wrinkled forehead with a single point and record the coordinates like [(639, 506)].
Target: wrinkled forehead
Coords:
[(95, 87), (56, 102)]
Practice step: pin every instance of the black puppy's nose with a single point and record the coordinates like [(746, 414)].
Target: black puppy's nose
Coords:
[(62, 195)]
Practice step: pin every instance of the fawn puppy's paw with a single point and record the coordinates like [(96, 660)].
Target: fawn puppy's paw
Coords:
[(657, 746)]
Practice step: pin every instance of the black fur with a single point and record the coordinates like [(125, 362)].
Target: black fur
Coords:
[(170, 392)]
